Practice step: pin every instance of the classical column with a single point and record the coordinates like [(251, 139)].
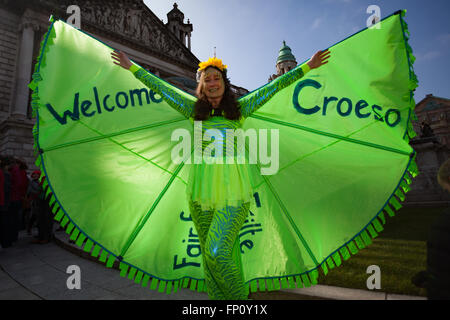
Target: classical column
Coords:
[(189, 41), (183, 37), (24, 69)]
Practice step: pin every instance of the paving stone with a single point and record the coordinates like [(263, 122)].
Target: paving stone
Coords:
[(6, 283), (18, 293)]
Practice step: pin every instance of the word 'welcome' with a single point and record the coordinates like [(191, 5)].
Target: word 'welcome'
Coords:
[(89, 108)]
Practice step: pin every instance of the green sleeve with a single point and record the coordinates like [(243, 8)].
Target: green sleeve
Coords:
[(176, 98), (256, 99)]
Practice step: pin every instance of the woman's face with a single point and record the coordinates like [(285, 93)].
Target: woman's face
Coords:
[(213, 84)]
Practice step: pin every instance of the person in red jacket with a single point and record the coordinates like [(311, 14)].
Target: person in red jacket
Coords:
[(19, 184), (2, 203), (24, 181), (15, 205), (6, 219)]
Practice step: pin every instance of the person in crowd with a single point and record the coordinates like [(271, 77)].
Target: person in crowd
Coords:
[(15, 205), (34, 190), (436, 278), (23, 187), (7, 225), (44, 216)]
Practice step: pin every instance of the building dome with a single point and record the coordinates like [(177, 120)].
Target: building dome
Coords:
[(285, 54), (285, 61)]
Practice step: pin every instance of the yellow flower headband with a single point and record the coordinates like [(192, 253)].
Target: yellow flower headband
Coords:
[(212, 62)]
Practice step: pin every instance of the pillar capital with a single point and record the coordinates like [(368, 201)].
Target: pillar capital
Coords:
[(33, 25)]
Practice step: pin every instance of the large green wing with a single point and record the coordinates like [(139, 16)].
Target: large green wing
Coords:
[(344, 157), (104, 143)]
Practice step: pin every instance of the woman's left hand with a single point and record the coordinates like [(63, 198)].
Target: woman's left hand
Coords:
[(121, 59), (318, 59)]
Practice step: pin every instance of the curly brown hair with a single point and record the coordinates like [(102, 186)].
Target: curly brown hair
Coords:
[(228, 104)]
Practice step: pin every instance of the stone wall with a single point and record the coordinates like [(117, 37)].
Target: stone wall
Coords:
[(17, 141), (425, 189), (9, 38)]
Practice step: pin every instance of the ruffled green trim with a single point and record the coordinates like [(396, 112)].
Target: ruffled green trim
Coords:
[(413, 81), (36, 77)]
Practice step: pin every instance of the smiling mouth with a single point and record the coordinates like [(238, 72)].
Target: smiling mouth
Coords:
[(213, 90)]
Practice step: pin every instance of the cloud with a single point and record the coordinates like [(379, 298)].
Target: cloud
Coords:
[(430, 55), (316, 23), (337, 1), (444, 39)]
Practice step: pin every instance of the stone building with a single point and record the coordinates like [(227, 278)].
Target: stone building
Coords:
[(285, 62), (127, 25), (432, 145), (435, 112)]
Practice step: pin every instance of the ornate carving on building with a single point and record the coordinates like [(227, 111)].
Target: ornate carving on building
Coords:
[(433, 114), (132, 21), (432, 145)]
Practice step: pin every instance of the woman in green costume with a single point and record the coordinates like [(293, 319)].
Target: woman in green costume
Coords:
[(219, 193)]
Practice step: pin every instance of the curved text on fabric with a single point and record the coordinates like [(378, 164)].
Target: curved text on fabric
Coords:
[(345, 106), (109, 103)]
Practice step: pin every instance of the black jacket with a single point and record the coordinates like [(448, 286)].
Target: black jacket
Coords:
[(438, 258)]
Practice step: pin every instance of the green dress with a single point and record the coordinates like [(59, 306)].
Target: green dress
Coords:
[(220, 190)]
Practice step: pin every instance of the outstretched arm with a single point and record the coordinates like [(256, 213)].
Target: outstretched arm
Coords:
[(257, 99), (182, 103)]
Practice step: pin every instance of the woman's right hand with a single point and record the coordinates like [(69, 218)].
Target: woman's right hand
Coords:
[(121, 59)]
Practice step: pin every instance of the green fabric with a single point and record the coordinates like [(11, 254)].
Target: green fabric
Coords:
[(261, 285), (324, 268), (162, 286), (80, 240), (169, 287), (154, 284), (353, 248), (103, 141), (110, 261), (138, 277), (103, 256), (305, 280), (134, 68), (88, 246), (217, 231), (123, 269), (145, 281), (298, 281), (175, 286)]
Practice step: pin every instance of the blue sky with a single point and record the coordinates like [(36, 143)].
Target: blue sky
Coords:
[(248, 34)]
